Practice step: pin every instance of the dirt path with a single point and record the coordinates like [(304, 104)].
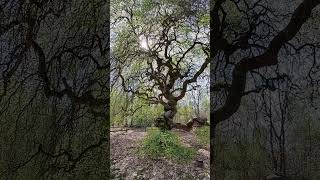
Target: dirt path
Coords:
[(127, 165)]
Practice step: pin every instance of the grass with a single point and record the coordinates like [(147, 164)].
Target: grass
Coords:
[(203, 135), (166, 144)]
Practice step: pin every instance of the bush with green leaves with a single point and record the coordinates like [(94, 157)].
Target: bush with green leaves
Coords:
[(132, 112), (203, 135), (146, 115), (166, 144)]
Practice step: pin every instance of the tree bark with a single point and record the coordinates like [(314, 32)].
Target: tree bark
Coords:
[(166, 121)]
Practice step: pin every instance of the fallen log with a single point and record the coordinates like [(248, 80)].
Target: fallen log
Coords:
[(194, 122)]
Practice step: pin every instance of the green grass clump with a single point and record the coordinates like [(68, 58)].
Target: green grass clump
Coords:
[(166, 144), (203, 135)]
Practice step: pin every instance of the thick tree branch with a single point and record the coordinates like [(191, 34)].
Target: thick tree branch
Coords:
[(269, 58)]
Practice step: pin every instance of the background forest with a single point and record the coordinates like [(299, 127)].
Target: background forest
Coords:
[(54, 89)]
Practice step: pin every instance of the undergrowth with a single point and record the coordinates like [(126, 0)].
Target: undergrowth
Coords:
[(166, 144), (203, 135)]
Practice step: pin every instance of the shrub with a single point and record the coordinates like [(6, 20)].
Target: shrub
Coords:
[(166, 144), (203, 135), (145, 116)]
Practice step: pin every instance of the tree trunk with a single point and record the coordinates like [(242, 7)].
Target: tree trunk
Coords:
[(166, 121)]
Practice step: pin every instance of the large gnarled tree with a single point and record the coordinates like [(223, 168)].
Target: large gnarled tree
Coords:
[(161, 49)]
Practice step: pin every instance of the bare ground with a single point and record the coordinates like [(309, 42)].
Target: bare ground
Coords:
[(127, 165)]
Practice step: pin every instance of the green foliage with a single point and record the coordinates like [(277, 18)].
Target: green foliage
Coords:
[(117, 101), (147, 5), (205, 19), (165, 144), (146, 115), (203, 135), (136, 112), (184, 114)]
